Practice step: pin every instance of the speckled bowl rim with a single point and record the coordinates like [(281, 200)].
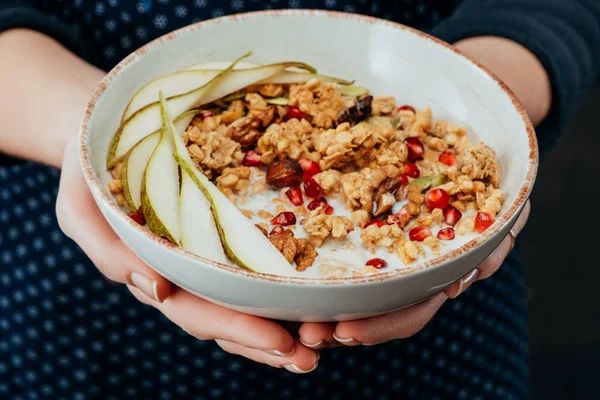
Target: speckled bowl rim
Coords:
[(513, 208)]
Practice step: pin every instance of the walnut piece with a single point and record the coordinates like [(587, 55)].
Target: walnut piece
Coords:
[(305, 256), (246, 130), (286, 243)]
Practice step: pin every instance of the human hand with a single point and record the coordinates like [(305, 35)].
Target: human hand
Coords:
[(408, 321), (255, 338)]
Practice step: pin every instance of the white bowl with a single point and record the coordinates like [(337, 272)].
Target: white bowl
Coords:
[(388, 58)]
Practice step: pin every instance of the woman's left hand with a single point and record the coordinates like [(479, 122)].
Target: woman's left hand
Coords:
[(408, 321)]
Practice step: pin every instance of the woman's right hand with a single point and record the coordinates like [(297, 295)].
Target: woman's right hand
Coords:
[(258, 339)]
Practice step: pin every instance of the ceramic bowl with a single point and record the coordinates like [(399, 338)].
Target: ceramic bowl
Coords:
[(386, 57)]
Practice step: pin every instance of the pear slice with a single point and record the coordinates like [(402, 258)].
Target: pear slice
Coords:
[(221, 65), (170, 85), (147, 119), (160, 188), (243, 243), (199, 234), (132, 172), (134, 164), (287, 77)]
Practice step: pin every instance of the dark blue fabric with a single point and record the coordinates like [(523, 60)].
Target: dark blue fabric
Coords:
[(66, 332)]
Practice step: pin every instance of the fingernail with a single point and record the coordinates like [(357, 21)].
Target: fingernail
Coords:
[(145, 285), (293, 368), (464, 283), (280, 353), (345, 341), (313, 345)]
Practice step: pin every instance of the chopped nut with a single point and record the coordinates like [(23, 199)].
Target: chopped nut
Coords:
[(417, 198), (306, 254), (360, 218), (284, 173), (246, 130), (384, 204), (286, 243)]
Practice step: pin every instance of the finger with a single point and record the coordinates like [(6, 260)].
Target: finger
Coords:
[(399, 324), (81, 220), (302, 361), (493, 262), (207, 321), (317, 335)]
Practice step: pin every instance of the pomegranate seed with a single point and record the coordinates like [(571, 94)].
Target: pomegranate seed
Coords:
[(138, 217), (312, 189), (419, 233), (206, 114), (294, 112), (415, 148), (448, 158), (446, 234), (377, 263), (295, 195), (285, 218), (313, 205), (452, 215), (278, 230), (309, 167), (251, 159), (403, 179), (437, 198), (409, 108), (377, 222), (412, 170), (483, 221)]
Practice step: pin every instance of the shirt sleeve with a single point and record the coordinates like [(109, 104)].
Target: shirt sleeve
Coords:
[(564, 35), (25, 14)]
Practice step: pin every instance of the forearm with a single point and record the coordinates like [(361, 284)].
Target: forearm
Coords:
[(43, 92), (520, 69)]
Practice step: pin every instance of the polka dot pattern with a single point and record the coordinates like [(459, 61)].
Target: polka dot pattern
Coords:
[(66, 332)]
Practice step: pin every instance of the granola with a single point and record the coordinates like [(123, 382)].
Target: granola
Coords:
[(361, 174)]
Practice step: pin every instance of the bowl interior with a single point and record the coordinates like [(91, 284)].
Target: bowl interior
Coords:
[(383, 56)]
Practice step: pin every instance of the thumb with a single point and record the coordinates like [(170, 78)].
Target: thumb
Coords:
[(81, 220)]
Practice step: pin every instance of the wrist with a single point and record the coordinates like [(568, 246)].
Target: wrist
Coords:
[(518, 67), (45, 91)]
